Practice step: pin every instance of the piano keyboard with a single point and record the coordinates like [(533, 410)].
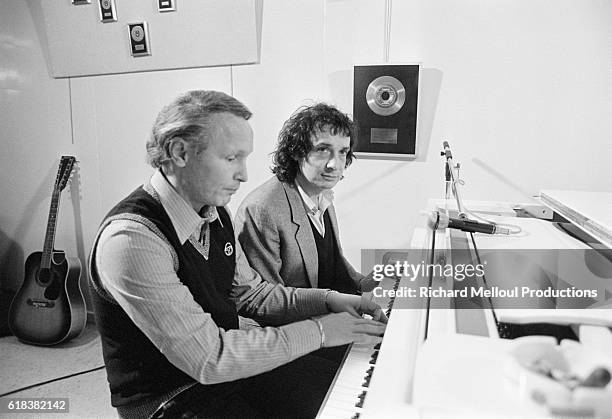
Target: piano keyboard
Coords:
[(350, 387)]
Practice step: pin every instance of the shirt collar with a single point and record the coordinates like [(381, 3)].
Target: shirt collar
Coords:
[(185, 220), (318, 202)]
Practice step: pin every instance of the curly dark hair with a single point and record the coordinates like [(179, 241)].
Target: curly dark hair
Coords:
[(295, 138)]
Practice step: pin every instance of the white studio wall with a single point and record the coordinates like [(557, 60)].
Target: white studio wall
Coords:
[(521, 90), (525, 92), (34, 131)]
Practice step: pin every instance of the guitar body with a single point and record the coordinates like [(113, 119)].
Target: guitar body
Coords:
[(49, 308)]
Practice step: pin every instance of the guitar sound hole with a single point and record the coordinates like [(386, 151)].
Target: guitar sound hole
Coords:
[(52, 292), (45, 276)]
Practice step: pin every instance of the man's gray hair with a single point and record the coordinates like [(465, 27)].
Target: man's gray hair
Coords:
[(188, 117)]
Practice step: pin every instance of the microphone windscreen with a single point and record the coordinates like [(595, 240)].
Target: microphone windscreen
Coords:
[(437, 221), (432, 220)]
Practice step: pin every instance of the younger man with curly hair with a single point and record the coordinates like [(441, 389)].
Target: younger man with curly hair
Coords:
[(287, 226)]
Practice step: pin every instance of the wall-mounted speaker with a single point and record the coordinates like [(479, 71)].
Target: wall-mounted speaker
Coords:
[(385, 105)]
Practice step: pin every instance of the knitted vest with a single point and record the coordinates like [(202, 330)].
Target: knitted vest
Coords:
[(136, 369), (332, 272)]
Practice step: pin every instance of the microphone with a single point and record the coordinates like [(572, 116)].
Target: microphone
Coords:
[(448, 176), (441, 221), (447, 151)]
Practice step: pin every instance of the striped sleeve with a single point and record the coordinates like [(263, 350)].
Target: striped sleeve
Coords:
[(136, 268)]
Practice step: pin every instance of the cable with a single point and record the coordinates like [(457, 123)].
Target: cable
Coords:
[(71, 111), (51, 381), (387, 36)]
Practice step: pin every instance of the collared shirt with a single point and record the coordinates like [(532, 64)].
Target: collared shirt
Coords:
[(188, 224), (137, 268), (315, 208)]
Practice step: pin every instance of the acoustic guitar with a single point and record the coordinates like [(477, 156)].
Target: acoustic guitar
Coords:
[(49, 307)]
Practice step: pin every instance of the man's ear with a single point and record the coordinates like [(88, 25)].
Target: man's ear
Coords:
[(177, 151)]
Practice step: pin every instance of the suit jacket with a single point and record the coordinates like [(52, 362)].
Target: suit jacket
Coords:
[(275, 233)]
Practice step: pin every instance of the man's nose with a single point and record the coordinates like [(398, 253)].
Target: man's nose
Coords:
[(242, 174), (334, 161)]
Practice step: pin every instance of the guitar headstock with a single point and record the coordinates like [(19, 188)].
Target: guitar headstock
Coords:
[(63, 173)]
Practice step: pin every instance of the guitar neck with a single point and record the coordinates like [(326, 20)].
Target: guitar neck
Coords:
[(45, 262), (63, 173)]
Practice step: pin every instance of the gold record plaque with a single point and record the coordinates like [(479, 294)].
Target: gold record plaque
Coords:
[(385, 107), (385, 95)]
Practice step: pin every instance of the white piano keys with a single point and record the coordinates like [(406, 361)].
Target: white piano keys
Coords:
[(348, 392), (344, 394), (348, 386)]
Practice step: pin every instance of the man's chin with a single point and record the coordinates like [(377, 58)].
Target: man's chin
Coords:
[(222, 201), (328, 183)]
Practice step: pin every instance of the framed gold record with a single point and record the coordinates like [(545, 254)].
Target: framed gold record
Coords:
[(385, 107), (385, 95)]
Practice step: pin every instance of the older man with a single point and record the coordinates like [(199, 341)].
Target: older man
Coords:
[(175, 298), (287, 226)]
